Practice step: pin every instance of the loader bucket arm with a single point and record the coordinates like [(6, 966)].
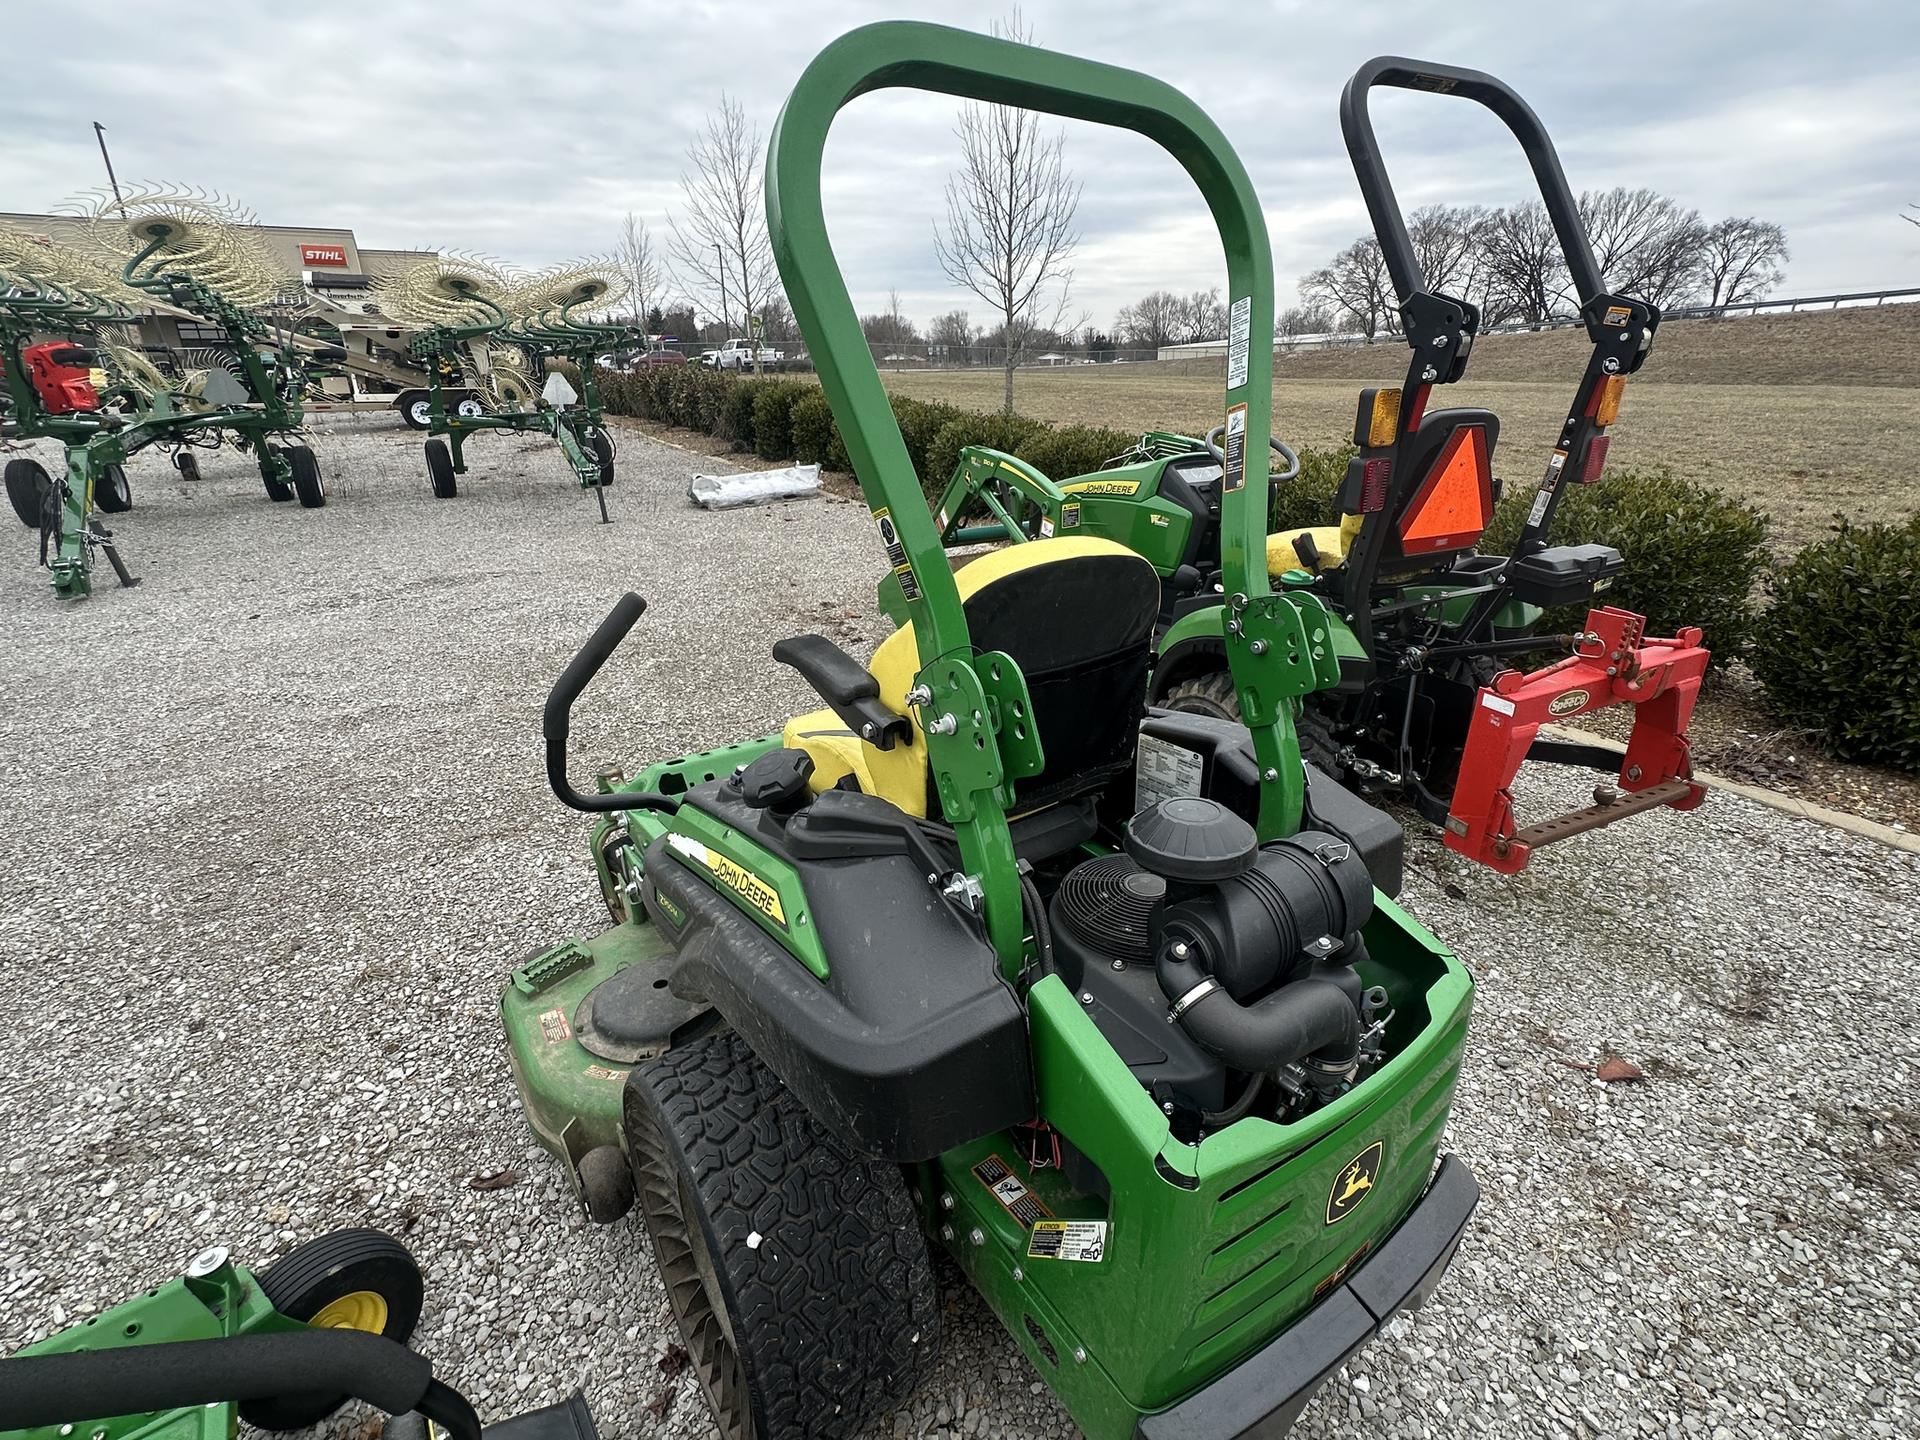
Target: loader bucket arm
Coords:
[(977, 67)]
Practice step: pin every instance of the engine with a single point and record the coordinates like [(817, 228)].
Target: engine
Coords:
[(1222, 970)]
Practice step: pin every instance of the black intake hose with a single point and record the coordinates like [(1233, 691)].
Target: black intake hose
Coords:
[(1314, 1018)]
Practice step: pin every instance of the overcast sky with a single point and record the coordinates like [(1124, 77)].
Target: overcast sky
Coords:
[(526, 131)]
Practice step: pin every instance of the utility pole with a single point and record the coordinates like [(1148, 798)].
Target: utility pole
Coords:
[(100, 134)]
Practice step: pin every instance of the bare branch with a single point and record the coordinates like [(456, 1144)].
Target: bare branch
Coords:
[(722, 248)]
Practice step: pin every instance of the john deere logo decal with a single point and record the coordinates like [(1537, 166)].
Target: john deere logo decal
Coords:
[(1354, 1182), (1568, 702)]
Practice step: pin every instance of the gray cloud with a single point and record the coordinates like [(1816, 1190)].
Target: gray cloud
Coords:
[(527, 134)]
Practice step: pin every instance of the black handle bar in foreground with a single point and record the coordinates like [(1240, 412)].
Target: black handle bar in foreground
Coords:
[(556, 718)]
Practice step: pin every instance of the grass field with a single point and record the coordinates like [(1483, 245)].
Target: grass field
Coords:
[(1813, 439)]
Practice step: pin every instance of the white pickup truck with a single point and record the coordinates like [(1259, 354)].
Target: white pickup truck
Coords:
[(739, 355)]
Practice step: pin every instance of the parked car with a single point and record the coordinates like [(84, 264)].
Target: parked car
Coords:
[(739, 355)]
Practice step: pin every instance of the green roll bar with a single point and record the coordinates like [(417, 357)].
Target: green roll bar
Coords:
[(1270, 638)]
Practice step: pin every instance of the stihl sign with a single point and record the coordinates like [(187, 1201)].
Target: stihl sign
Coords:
[(324, 255)]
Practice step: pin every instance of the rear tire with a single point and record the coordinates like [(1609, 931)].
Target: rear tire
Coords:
[(307, 483), (415, 407), (469, 408), (440, 471), (28, 486), (1212, 694), (795, 1267), (349, 1280), (112, 495)]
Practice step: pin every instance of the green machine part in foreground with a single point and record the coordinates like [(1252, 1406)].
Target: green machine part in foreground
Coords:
[(777, 976)]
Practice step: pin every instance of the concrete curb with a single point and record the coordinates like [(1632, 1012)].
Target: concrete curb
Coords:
[(1772, 799)]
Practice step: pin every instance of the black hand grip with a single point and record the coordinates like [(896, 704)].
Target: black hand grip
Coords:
[(1499, 97), (555, 718), (83, 1385), (836, 676)]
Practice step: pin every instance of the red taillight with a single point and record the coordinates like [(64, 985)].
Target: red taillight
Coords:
[(1374, 478), (1596, 459)]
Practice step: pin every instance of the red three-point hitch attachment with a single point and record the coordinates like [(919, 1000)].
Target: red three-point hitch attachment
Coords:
[(1616, 665)]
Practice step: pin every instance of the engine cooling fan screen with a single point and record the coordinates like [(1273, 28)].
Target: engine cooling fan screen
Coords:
[(1106, 902)]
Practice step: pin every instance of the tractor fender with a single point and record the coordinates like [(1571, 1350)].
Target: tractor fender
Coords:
[(1193, 644)]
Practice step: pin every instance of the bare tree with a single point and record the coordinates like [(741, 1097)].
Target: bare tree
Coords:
[(953, 333), (1446, 241), (1009, 232), (1525, 272), (639, 264), (1646, 244), (1355, 285), (1742, 259), (890, 328), (1914, 218), (1149, 322), (1299, 320), (723, 247)]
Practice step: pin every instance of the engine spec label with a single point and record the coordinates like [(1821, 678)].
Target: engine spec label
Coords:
[(1164, 770), (1068, 1240)]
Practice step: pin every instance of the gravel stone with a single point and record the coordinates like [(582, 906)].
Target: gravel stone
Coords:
[(276, 827)]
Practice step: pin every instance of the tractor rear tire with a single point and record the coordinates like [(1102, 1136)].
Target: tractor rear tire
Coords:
[(28, 486), (1212, 694), (414, 407), (440, 470), (795, 1267), (347, 1280), (112, 495), (307, 483), (277, 490), (602, 445)]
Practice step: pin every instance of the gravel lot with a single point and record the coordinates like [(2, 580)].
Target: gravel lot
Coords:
[(275, 827)]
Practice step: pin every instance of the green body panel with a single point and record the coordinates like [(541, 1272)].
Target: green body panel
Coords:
[(1195, 1279), (1516, 615), (571, 1097), (1209, 623), (224, 1301)]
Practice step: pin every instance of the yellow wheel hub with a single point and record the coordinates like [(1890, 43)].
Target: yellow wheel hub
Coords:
[(358, 1310)]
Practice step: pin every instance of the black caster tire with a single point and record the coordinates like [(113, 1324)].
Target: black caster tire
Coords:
[(415, 407), (28, 486), (440, 471), (349, 1280), (277, 490), (112, 495), (606, 1184), (602, 445), (795, 1267), (188, 465), (307, 483), (1212, 695)]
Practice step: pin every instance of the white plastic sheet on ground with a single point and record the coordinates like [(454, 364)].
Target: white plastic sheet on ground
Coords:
[(754, 487)]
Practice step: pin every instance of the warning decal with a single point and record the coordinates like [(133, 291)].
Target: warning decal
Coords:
[(1239, 340), (1236, 448), (1014, 1197), (897, 552), (1068, 1240), (1163, 770)]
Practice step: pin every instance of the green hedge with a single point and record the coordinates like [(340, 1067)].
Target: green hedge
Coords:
[(1694, 555), (773, 417), (1074, 450), (1839, 647)]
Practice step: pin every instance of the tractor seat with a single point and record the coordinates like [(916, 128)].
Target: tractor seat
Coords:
[(1314, 549), (1076, 613)]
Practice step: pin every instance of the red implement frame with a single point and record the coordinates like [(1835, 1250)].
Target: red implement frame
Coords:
[(1616, 665)]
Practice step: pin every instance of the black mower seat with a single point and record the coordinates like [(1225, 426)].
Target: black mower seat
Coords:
[(1076, 613)]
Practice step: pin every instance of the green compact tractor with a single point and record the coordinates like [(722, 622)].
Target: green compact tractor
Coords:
[(1425, 626), (282, 1349), (182, 256), (474, 319), (1112, 1005)]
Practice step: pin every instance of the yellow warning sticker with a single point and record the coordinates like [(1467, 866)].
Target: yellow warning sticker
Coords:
[(1068, 1240)]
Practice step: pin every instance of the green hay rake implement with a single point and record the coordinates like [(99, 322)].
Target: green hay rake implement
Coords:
[(147, 249), (474, 319)]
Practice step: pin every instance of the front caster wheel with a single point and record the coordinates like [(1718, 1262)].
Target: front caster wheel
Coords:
[(795, 1267), (602, 445), (606, 1184), (440, 471), (112, 495), (28, 486), (307, 483), (349, 1280)]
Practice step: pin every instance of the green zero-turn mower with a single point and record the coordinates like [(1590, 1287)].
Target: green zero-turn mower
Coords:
[(281, 1348), (1425, 627), (475, 319), (1113, 1006), (187, 256)]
